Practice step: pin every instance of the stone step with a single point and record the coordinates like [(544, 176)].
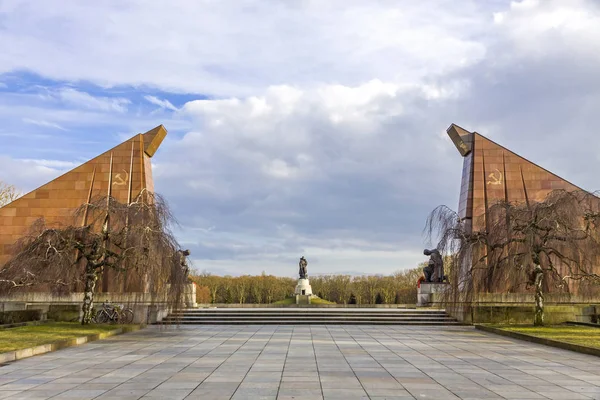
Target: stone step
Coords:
[(400, 315), (306, 313), (308, 322), (308, 310), (307, 317), (310, 316), (315, 309)]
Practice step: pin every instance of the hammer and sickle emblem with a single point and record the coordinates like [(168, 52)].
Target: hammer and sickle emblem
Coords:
[(495, 178), (119, 181)]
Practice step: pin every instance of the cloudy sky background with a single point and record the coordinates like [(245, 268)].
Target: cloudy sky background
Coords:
[(300, 127)]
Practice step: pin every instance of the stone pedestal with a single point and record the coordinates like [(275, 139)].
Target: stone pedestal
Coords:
[(303, 291), (303, 288), (428, 294), (303, 299), (189, 295)]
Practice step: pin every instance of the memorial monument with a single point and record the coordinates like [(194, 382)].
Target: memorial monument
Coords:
[(434, 271), (484, 281), (493, 173), (435, 280), (126, 168), (303, 290)]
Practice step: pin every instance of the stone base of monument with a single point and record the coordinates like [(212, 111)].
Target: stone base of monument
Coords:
[(303, 287), (189, 295), (429, 294), (303, 291), (303, 299)]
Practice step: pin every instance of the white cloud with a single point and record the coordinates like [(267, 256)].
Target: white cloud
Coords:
[(85, 100), (58, 164), (161, 103), (330, 164), (279, 169), (538, 28), (224, 48), (43, 123), (369, 161), (26, 175)]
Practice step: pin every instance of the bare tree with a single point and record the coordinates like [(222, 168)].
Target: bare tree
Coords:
[(546, 245), (8, 193), (133, 241)]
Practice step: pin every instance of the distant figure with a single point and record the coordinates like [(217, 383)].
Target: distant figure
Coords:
[(434, 271), (302, 264)]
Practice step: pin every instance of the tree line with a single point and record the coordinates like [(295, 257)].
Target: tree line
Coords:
[(397, 288)]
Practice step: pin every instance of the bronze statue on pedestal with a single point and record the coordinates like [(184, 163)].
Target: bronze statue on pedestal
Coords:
[(434, 271), (302, 265)]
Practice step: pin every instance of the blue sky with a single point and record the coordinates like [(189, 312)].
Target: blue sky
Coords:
[(300, 127), (75, 114)]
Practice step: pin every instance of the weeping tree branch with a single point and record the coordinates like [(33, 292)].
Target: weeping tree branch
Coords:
[(133, 239), (557, 238)]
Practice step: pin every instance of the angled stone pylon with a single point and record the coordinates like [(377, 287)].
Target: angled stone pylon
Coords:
[(491, 172), (126, 169)]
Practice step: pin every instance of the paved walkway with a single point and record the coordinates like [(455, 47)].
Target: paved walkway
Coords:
[(305, 362)]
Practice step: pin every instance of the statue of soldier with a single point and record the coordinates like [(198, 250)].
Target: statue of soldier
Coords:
[(303, 264), (183, 254), (434, 271)]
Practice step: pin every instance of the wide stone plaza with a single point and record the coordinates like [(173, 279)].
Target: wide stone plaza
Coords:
[(305, 362)]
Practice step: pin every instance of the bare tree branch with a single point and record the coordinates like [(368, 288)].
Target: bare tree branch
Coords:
[(559, 235), (8, 193), (125, 247)]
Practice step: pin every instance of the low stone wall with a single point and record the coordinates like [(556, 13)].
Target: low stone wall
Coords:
[(555, 298), (524, 314), (519, 308), (18, 316), (147, 308)]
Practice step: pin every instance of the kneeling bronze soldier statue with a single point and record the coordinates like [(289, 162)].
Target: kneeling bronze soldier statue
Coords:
[(434, 271), (183, 255)]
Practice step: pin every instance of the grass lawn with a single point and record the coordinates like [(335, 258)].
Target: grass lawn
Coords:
[(292, 300), (318, 300), (29, 336), (581, 335), (286, 302)]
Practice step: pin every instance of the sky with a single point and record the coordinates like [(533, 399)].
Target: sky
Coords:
[(303, 127)]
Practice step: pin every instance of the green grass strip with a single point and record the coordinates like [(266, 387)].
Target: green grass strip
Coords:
[(318, 300), (286, 302), (292, 300), (579, 335), (30, 336)]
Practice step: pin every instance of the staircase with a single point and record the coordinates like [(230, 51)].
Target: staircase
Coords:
[(314, 316)]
